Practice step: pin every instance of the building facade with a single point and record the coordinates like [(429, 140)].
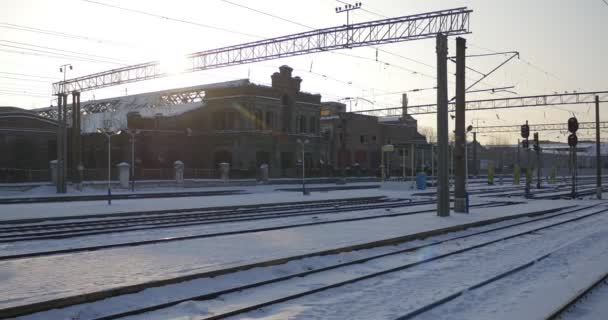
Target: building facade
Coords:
[(240, 123), (27, 142)]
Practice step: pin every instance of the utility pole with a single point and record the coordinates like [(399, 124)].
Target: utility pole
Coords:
[(572, 142), (77, 167), (598, 153), (59, 142), (460, 136), (525, 133), (443, 191), (413, 160), (62, 138), (432, 165), (348, 8), (518, 152), (538, 160), (475, 167)]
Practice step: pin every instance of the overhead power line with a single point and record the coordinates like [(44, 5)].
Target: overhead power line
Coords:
[(50, 54), (169, 18), (267, 14), (256, 36), (60, 50), (21, 79), (57, 33), (29, 75)]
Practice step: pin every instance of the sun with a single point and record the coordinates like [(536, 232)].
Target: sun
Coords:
[(175, 63)]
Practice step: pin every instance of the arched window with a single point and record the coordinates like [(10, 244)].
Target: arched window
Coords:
[(312, 128), (302, 124), (258, 121), (269, 120), (222, 156)]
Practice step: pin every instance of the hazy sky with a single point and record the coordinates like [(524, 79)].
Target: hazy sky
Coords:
[(563, 46)]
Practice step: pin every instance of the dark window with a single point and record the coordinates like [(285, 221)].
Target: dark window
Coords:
[(269, 120), (374, 138), (284, 100), (313, 125), (218, 120), (302, 124), (230, 120), (362, 139), (258, 120)]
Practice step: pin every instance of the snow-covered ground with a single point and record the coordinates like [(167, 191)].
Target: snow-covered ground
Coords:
[(26, 281), (256, 195), (500, 256), (593, 307), (578, 253), (38, 279)]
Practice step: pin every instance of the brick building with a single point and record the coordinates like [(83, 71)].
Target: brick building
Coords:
[(354, 140), (27, 141), (237, 122)]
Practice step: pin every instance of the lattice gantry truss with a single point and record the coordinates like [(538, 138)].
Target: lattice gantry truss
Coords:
[(500, 103), (563, 127), (406, 28)]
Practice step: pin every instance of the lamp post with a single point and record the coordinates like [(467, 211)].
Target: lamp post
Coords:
[(108, 133), (466, 169), (302, 143), (62, 132), (132, 134)]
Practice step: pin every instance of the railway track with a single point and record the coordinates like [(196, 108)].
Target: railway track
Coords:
[(120, 196), (106, 226), (551, 220), (169, 215), (571, 304), (242, 310), (219, 234)]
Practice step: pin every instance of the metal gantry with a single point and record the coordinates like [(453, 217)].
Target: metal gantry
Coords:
[(540, 127), (406, 28), (499, 103)]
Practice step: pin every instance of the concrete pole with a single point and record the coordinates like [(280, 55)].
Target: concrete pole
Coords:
[(422, 161), (132, 135), (412, 155), (466, 165), (475, 167), (76, 145), (460, 136), (403, 169), (59, 138), (443, 191), (518, 156), (382, 173), (303, 171), (598, 151), (64, 145), (109, 161), (432, 165)]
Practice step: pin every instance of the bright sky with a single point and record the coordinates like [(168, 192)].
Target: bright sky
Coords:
[(562, 44)]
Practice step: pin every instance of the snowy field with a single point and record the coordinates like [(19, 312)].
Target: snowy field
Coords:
[(575, 249)]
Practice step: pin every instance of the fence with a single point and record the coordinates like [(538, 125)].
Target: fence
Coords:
[(12, 175)]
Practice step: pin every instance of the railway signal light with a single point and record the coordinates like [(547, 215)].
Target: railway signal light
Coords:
[(536, 142), (525, 130), (525, 144), (572, 140), (572, 125)]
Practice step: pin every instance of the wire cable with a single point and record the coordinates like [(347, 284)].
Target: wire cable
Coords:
[(169, 18)]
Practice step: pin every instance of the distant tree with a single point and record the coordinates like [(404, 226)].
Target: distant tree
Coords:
[(430, 133)]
